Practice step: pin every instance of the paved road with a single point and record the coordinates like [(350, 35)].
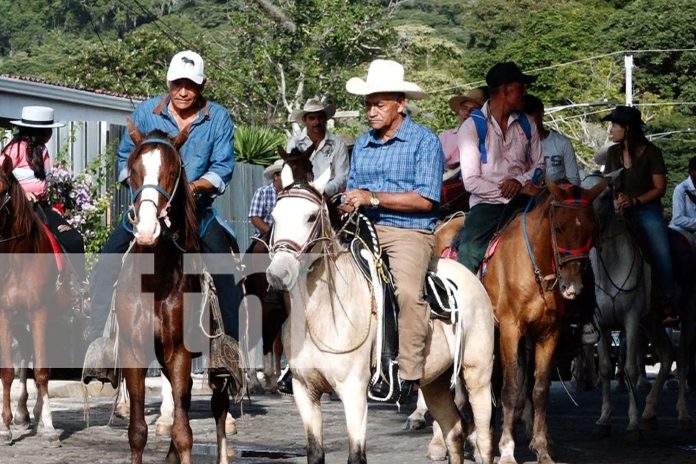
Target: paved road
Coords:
[(271, 427)]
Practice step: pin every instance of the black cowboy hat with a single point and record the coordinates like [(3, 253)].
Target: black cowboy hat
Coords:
[(506, 73), (624, 114)]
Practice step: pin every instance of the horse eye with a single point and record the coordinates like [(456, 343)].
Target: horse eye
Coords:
[(312, 218), (557, 228)]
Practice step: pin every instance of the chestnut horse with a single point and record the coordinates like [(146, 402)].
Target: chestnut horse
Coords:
[(150, 307), (29, 296), (536, 265)]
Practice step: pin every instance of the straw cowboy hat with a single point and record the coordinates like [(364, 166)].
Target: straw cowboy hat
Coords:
[(39, 117), (384, 76), (476, 95), (273, 168), (313, 105)]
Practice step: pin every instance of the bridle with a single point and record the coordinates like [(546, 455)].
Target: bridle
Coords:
[(563, 255), (164, 212), (316, 233)]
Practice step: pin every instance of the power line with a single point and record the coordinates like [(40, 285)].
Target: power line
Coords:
[(568, 63)]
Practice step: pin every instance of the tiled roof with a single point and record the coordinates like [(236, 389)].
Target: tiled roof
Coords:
[(75, 87)]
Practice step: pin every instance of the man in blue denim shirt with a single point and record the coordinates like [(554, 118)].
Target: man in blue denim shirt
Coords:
[(208, 159)]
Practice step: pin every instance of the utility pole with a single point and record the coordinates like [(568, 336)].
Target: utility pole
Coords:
[(628, 65)]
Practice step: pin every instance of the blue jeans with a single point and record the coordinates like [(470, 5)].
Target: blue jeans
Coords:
[(651, 227), (108, 267)]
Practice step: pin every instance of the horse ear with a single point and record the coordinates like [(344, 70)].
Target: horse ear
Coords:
[(282, 153), (286, 177), (134, 133), (599, 188), (6, 165), (181, 138), (556, 191), (320, 183)]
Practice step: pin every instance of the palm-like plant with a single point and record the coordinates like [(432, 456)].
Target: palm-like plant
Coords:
[(257, 145)]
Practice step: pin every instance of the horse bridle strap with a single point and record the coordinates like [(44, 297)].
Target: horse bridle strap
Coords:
[(306, 192), (562, 254)]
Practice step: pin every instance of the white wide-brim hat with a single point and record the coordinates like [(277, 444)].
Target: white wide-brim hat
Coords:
[(385, 76), (313, 105), (273, 168), (39, 117)]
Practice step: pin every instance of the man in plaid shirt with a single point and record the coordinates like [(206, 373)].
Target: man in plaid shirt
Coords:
[(264, 200), (396, 174)]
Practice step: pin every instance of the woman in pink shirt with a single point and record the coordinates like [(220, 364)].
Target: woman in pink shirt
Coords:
[(31, 164)]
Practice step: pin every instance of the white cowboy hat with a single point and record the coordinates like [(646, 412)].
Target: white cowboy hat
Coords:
[(40, 117), (273, 168), (384, 76), (313, 105)]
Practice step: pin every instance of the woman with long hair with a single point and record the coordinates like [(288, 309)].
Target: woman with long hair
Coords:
[(31, 163), (641, 184)]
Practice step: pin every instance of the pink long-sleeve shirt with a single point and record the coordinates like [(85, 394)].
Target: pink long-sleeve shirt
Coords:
[(509, 157), (17, 152)]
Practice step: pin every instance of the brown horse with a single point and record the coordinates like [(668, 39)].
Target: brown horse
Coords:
[(150, 302), (537, 264), (29, 295)]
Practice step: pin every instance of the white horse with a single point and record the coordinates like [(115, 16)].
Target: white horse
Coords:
[(330, 336), (623, 286)]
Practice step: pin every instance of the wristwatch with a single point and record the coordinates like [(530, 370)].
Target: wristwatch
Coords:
[(374, 201)]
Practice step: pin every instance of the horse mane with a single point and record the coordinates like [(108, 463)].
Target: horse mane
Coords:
[(24, 219), (183, 207)]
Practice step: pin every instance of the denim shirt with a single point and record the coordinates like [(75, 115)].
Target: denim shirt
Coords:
[(208, 152)]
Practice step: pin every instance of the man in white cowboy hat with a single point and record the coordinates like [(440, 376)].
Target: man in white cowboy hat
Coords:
[(396, 175), (208, 159), (265, 198), (328, 150)]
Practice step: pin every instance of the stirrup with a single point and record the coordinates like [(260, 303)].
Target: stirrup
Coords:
[(386, 388), (285, 381), (226, 363), (590, 335), (100, 363)]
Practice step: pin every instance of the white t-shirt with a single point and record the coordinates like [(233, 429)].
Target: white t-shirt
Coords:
[(559, 156)]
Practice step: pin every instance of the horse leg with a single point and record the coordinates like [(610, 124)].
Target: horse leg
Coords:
[(663, 349), (416, 420), (220, 404), (540, 395), (122, 409), (21, 416), (7, 373), (441, 405), (478, 386), (685, 342), (163, 425), (509, 343), (355, 406), (602, 427), (631, 370), (180, 377), (308, 404), (137, 428), (42, 410)]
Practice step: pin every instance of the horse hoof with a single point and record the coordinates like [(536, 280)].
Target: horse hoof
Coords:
[(230, 426), (414, 424), (649, 423), (163, 429), (122, 411), (634, 436), (6, 438), (436, 453), (22, 423), (601, 431), (507, 460)]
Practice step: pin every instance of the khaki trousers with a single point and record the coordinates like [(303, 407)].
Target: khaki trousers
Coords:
[(409, 252)]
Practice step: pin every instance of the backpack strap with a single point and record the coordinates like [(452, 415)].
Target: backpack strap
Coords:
[(481, 130), (524, 124)]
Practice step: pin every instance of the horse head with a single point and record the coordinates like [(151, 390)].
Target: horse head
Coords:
[(160, 197), (604, 201), (299, 162), (300, 221), (574, 227)]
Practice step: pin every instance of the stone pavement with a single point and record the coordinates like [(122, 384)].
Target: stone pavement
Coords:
[(270, 431)]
